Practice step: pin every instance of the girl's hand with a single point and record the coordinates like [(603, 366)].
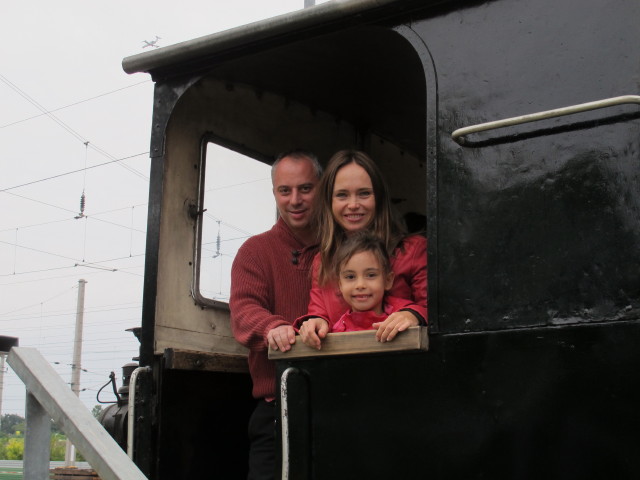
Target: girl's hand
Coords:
[(313, 331), (396, 322)]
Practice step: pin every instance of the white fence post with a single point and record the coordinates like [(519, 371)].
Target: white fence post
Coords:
[(37, 436)]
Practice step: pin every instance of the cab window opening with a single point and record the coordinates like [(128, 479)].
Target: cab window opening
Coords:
[(236, 202)]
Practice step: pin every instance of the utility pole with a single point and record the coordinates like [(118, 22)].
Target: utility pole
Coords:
[(6, 344), (70, 453), (2, 357)]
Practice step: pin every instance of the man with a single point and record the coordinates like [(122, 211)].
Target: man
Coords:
[(270, 283)]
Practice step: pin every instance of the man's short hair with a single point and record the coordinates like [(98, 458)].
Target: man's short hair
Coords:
[(298, 154)]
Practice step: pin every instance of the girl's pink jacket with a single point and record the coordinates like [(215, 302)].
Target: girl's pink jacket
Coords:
[(355, 321), (409, 264)]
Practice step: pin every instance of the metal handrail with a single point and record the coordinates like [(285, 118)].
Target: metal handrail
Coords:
[(284, 419), (457, 135), (133, 381), (48, 395)]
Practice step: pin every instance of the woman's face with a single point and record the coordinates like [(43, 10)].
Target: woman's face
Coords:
[(353, 203)]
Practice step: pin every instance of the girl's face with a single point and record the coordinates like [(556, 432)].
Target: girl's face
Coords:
[(363, 282), (353, 203)]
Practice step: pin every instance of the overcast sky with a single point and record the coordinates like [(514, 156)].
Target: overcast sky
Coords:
[(61, 86)]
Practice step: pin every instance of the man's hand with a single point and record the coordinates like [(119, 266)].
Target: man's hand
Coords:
[(396, 322), (313, 331), (281, 338)]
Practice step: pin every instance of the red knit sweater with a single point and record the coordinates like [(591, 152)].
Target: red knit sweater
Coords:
[(268, 290)]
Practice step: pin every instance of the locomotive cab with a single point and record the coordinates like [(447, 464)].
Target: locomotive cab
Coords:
[(212, 113)]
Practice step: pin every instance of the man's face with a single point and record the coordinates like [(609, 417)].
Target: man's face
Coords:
[(294, 183)]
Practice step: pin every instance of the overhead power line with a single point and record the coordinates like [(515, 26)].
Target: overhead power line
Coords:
[(93, 216), (40, 251), (66, 127), (60, 313), (75, 265), (73, 171), (70, 275), (73, 104), (64, 292)]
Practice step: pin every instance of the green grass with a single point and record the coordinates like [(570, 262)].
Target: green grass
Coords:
[(10, 473)]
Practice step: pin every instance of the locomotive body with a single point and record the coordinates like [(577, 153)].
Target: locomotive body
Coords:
[(533, 232)]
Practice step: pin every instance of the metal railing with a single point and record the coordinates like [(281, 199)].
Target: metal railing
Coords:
[(459, 134), (48, 397), (284, 419)]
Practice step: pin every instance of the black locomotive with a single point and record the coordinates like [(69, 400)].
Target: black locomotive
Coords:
[(513, 127)]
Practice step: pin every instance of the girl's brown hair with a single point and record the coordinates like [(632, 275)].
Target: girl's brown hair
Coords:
[(361, 242), (331, 234)]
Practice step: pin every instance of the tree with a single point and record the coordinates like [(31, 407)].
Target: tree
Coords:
[(58, 446), (97, 411), (15, 449), (11, 423), (55, 428)]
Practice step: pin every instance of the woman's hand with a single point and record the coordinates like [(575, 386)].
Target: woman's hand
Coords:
[(313, 331), (396, 322)]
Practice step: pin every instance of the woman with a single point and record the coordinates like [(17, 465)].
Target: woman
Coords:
[(352, 196)]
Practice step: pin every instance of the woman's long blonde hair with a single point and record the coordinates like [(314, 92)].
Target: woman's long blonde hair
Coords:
[(330, 233)]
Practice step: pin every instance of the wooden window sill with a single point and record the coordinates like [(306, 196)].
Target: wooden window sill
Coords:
[(357, 343)]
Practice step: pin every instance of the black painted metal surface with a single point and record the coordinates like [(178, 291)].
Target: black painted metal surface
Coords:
[(534, 371), (203, 420), (552, 403), (7, 343), (534, 249), (542, 228)]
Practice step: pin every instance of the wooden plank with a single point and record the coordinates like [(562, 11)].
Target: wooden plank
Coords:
[(71, 473), (59, 476), (74, 471), (196, 341), (176, 359), (357, 343)]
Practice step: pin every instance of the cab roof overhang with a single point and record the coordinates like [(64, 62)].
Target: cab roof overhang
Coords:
[(307, 22)]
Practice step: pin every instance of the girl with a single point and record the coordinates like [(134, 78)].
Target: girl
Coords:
[(364, 276), (352, 196)]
